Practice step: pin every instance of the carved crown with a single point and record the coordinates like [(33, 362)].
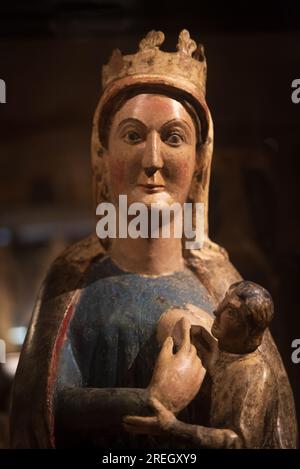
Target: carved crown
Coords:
[(180, 75), (187, 64)]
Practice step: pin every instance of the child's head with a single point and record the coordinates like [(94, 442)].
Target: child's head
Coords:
[(241, 318)]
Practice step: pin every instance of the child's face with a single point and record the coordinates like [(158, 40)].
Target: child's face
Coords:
[(228, 328)]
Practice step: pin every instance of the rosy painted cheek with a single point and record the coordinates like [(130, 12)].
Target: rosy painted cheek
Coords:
[(184, 169), (182, 172), (117, 172)]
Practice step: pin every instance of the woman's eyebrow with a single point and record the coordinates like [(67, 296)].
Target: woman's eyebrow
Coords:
[(130, 120), (179, 122)]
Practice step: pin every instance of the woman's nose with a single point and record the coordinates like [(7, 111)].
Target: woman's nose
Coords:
[(150, 171), (152, 160)]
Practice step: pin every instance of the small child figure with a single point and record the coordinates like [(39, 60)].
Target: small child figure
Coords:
[(244, 402)]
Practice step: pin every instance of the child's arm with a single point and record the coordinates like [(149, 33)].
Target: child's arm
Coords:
[(165, 423), (248, 411)]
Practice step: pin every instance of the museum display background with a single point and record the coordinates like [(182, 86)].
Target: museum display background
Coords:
[(50, 58)]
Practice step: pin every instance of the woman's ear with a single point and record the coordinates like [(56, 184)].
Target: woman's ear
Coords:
[(192, 196)]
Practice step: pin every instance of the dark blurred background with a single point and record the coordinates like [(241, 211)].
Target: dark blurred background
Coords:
[(51, 54)]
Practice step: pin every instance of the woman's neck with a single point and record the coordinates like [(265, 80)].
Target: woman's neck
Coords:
[(148, 256)]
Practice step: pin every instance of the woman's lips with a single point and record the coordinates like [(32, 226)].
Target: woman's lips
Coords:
[(150, 188)]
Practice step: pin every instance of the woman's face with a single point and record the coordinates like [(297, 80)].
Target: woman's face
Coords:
[(151, 152)]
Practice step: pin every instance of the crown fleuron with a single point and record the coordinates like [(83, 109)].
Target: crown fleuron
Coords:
[(188, 64)]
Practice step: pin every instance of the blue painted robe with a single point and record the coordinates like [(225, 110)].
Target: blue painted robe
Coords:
[(111, 339)]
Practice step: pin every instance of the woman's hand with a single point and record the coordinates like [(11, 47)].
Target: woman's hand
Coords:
[(177, 377)]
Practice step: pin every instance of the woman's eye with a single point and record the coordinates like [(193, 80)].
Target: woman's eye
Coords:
[(174, 139), (132, 137)]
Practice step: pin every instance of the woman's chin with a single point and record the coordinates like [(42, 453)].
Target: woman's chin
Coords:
[(161, 199)]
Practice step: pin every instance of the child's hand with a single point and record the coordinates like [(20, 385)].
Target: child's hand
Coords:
[(160, 423), (206, 345)]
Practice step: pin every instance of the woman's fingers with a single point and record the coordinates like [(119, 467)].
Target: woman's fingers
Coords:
[(185, 327), (167, 348), (193, 351)]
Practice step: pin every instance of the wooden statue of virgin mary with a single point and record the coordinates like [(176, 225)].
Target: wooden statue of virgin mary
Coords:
[(91, 346)]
